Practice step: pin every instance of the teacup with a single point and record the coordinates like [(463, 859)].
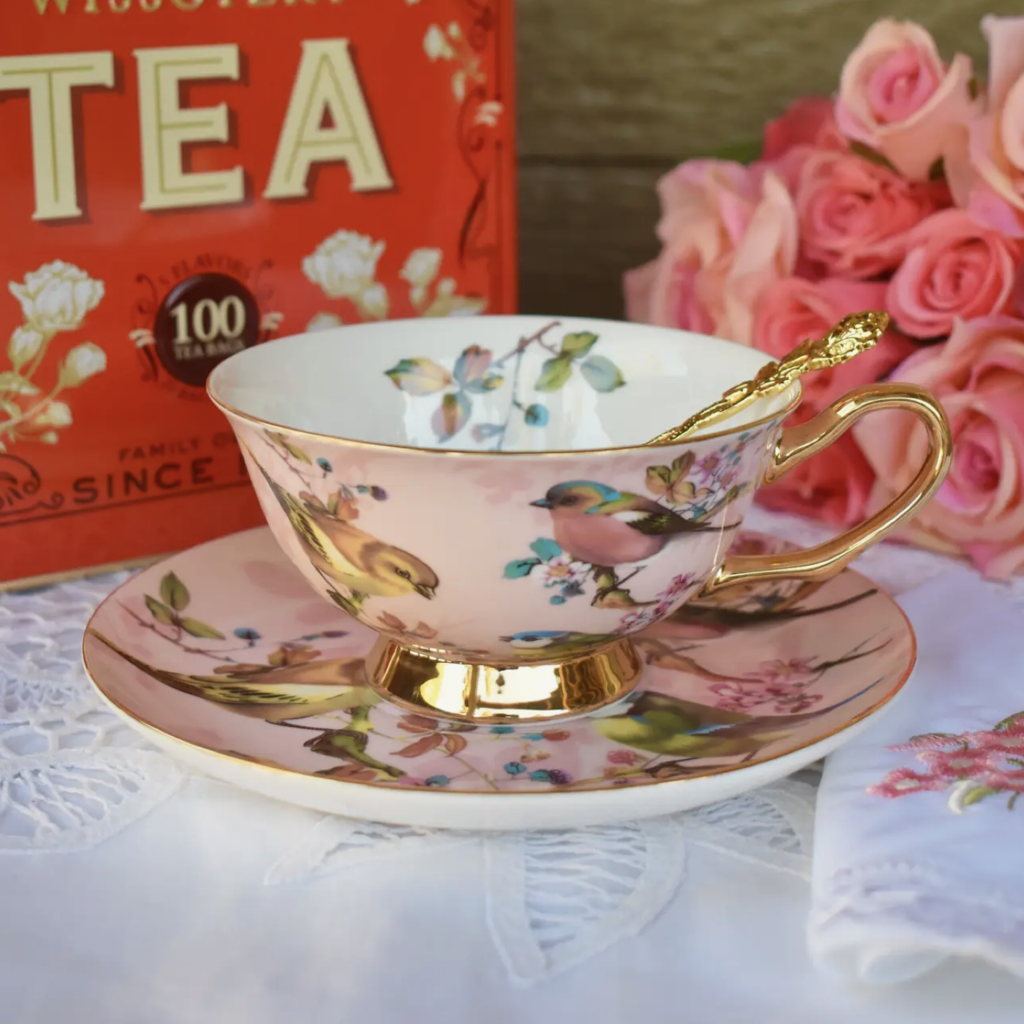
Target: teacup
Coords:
[(480, 492)]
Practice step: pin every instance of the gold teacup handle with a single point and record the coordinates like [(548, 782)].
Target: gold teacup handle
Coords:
[(798, 443)]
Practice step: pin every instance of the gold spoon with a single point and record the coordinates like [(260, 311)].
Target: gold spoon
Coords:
[(853, 334)]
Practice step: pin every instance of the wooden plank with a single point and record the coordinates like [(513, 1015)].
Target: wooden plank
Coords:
[(580, 227), (676, 78)]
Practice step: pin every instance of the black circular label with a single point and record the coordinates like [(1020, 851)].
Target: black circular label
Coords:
[(201, 321)]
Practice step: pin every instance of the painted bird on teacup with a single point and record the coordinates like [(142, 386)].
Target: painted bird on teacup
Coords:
[(603, 528), (599, 528), (550, 645), (342, 554)]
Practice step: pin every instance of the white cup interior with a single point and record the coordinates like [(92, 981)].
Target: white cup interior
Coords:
[(337, 382)]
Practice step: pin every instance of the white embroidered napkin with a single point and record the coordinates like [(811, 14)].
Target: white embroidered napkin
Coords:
[(919, 832)]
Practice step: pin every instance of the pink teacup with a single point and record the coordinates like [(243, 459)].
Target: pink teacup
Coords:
[(480, 492)]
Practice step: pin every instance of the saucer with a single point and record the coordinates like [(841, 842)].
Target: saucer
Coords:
[(225, 657)]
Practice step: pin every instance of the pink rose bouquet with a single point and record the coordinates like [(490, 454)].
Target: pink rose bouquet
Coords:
[(903, 192)]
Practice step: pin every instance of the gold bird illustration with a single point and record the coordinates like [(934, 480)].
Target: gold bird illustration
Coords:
[(344, 554), (277, 694)]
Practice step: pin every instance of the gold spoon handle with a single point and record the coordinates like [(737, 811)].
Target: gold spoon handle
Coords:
[(851, 336)]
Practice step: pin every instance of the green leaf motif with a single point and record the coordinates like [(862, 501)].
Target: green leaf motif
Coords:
[(520, 567), (744, 152), (483, 431), (451, 416), (867, 153), (196, 628), (1017, 718), (14, 384), (602, 374), (578, 344), (545, 549), (174, 592), (472, 364), (978, 794), (554, 373), (296, 452), (419, 376), (658, 479), (536, 415), (489, 382), (160, 611), (275, 437)]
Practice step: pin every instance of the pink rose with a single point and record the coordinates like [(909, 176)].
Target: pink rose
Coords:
[(806, 128), (954, 269), (979, 376), (808, 121), (727, 231), (985, 162), (794, 309), (835, 485), (855, 215), (897, 97)]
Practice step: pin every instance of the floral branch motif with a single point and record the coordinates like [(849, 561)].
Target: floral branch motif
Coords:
[(971, 766), (773, 687), (55, 298), (344, 266), (168, 621), (475, 373), (449, 44)]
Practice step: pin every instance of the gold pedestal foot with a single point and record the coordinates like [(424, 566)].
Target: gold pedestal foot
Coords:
[(422, 681)]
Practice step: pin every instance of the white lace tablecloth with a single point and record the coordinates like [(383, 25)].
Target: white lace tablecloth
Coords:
[(134, 891)]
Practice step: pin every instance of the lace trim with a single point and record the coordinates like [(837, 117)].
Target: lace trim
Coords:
[(556, 898), (71, 773)]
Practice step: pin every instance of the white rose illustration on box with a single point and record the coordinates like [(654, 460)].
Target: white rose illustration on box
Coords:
[(55, 298), (344, 266)]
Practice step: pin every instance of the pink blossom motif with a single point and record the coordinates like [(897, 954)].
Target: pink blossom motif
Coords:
[(957, 764), (795, 672), (902, 781), (1008, 781), (664, 603), (971, 766), (783, 684), (706, 467), (1007, 741), (627, 757)]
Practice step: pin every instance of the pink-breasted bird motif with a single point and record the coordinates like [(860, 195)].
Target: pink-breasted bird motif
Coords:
[(600, 525)]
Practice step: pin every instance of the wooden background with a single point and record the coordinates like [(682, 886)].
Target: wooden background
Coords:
[(612, 93)]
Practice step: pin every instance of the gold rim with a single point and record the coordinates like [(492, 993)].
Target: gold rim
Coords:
[(315, 435), (455, 794)]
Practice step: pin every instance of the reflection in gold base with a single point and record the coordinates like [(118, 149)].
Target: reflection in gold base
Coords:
[(423, 681)]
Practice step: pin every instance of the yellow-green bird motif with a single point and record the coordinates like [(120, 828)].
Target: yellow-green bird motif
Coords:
[(349, 745), (345, 554), (276, 694), (661, 724)]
